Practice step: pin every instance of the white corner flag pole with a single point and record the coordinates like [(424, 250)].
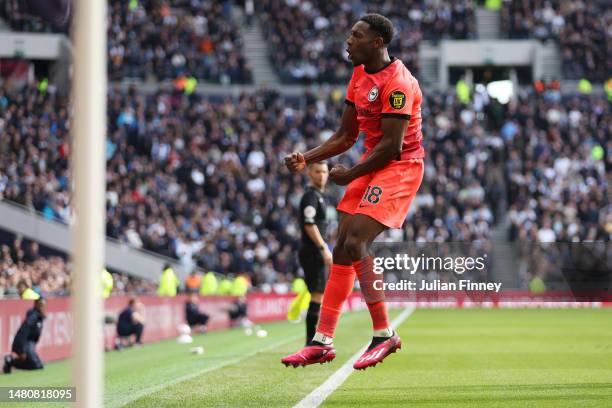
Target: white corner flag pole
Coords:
[(88, 169)]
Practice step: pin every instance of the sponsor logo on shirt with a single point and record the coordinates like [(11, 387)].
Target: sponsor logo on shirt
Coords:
[(397, 99)]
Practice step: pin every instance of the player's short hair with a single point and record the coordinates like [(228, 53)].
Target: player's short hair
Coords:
[(381, 25), (319, 162)]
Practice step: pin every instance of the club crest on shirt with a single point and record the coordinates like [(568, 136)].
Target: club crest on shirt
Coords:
[(373, 94), (397, 99)]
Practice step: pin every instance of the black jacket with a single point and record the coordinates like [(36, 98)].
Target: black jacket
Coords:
[(192, 312), (30, 330)]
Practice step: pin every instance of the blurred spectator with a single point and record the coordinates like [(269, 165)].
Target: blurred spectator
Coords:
[(168, 282), (240, 286), (210, 284), (193, 282), (107, 283), (130, 323), (26, 292)]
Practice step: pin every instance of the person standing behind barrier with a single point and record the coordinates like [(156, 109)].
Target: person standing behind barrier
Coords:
[(107, 283), (225, 286), (240, 286), (168, 283), (25, 292), (210, 285), (193, 281)]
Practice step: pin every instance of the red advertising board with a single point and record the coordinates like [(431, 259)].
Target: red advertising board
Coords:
[(163, 315)]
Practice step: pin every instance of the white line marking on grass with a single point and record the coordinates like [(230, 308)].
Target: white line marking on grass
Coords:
[(151, 390), (320, 394)]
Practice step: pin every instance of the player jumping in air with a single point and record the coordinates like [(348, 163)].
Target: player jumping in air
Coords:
[(383, 101)]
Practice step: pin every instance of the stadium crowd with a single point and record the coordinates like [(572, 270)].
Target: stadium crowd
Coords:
[(19, 263), (152, 39), (457, 200), (18, 17), (581, 28), (167, 40), (202, 181), (48, 273), (557, 168), (309, 37), (157, 40)]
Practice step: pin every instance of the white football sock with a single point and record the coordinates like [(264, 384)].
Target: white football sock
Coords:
[(388, 332), (323, 339)]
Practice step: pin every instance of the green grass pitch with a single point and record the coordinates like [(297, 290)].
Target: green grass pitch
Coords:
[(450, 358)]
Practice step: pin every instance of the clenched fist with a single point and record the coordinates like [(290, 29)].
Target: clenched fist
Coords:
[(340, 175), (295, 162)]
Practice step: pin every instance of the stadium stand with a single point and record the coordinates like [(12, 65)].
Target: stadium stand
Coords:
[(199, 178), (14, 12), (202, 173), (309, 37), (581, 28), (149, 38), (558, 174), (457, 199), (157, 40), (48, 272)]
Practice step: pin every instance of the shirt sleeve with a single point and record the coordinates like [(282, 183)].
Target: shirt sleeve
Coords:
[(397, 99), (350, 91), (308, 207)]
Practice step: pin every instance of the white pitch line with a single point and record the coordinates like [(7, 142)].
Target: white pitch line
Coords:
[(320, 394), (147, 391)]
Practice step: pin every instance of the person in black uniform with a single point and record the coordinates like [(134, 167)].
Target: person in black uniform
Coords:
[(24, 354), (314, 255), (193, 315), (130, 323), (238, 312)]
